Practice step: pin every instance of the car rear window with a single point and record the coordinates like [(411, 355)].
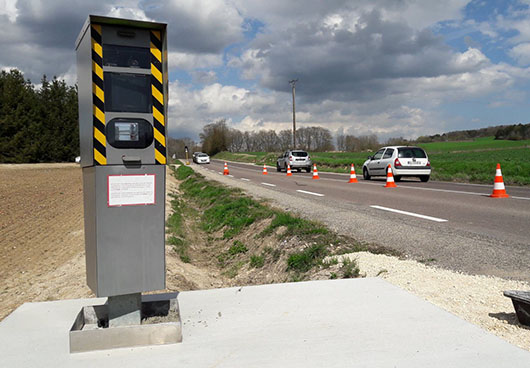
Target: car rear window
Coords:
[(410, 152), (299, 154)]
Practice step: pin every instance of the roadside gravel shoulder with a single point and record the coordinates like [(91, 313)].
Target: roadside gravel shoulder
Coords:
[(475, 298)]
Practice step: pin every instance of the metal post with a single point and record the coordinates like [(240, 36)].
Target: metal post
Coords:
[(293, 82), (125, 310)]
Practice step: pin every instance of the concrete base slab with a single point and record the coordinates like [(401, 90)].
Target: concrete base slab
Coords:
[(336, 323)]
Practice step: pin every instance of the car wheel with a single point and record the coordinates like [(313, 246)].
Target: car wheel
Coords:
[(278, 168), (424, 178), (397, 178), (308, 169), (366, 175), (298, 170)]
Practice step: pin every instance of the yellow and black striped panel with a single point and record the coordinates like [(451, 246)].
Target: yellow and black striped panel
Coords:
[(157, 89), (98, 98)]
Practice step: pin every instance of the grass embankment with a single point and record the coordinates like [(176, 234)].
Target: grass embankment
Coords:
[(245, 237), (469, 161)]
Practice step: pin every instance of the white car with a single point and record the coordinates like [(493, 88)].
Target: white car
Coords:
[(201, 158), (404, 160)]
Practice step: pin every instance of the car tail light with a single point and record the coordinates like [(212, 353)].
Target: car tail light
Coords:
[(290, 158), (309, 158), (397, 163), (428, 163)]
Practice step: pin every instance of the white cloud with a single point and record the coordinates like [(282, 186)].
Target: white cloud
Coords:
[(422, 14), (203, 77), (70, 76), (521, 53), (251, 63), (190, 61), (281, 14), (9, 9), (198, 26), (190, 109), (470, 59), (128, 13)]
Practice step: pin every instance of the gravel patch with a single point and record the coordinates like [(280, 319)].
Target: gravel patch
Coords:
[(475, 298)]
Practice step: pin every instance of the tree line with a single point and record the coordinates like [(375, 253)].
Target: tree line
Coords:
[(508, 132), (37, 124), (218, 136), (513, 132)]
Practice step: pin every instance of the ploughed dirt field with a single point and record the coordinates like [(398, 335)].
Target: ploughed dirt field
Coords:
[(41, 229)]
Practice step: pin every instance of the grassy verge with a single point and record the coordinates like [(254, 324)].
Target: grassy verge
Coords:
[(227, 214), (470, 161), (175, 227)]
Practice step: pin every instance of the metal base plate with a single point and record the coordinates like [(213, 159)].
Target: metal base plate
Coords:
[(161, 324)]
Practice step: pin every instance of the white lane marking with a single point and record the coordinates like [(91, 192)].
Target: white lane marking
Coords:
[(231, 176), (268, 184), (409, 214), (520, 198), (245, 179), (220, 173), (312, 193), (445, 190)]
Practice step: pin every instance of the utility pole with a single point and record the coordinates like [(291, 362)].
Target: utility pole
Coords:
[(293, 82)]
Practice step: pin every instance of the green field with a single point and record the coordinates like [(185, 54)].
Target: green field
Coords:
[(478, 144), (469, 161)]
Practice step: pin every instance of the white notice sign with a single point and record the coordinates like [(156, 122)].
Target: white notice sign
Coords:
[(130, 190)]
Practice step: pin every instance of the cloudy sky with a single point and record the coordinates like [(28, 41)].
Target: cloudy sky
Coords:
[(389, 67)]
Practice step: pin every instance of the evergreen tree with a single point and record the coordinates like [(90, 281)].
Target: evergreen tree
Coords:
[(37, 125)]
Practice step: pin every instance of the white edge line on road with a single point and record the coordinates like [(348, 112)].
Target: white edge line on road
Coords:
[(312, 193), (231, 176), (520, 198), (245, 179), (409, 213), (268, 184), (220, 173)]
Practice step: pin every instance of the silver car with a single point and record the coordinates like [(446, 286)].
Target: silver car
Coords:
[(404, 160), (297, 159)]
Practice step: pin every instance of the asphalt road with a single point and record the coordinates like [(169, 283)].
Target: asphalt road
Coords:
[(437, 210)]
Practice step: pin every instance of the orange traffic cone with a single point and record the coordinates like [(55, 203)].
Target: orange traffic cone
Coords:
[(353, 177), (225, 171), (390, 178), (315, 172), (498, 185), (289, 173), (265, 169)]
